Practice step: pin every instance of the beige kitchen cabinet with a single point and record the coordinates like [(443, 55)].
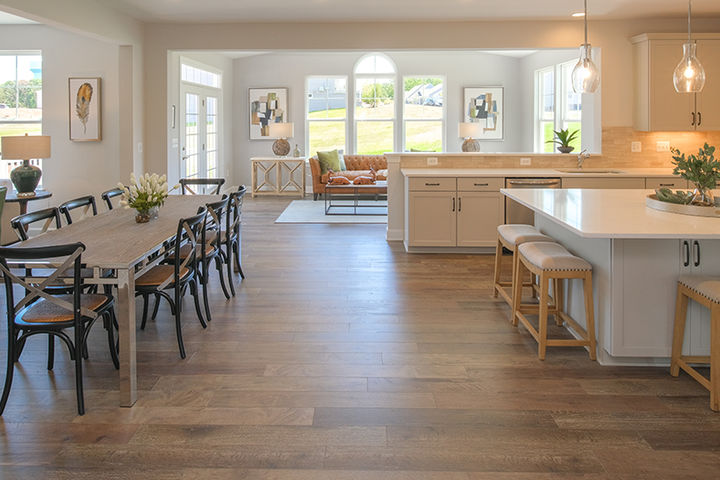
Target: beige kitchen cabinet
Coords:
[(658, 107), (604, 182), (478, 216), (675, 183), (432, 219)]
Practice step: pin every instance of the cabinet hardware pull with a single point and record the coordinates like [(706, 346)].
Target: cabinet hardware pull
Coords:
[(453, 204), (693, 119), (480, 184), (432, 184), (667, 184), (699, 118), (459, 204), (686, 262), (696, 254)]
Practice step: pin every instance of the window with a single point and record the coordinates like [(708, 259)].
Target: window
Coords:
[(423, 114), (374, 105), (326, 114), (557, 105), (20, 99), (196, 75)]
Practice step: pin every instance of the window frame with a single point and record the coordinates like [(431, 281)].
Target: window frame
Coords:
[(393, 77), (561, 88), (308, 121), (443, 120)]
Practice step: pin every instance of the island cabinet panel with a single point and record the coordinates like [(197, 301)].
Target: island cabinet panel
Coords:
[(604, 182), (432, 219), (478, 216)]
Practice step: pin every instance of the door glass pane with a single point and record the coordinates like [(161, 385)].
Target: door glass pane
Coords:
[(191, 134), (211, 140), (374, 137), (425, 136)]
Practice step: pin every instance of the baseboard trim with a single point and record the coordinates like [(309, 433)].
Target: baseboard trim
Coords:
[(395, 235)]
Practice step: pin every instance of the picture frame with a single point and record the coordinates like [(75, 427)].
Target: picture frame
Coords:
[(266, 106), (485, 105), (85, 109)]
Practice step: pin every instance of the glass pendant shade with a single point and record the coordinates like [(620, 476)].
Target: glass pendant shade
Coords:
[(585, 75), (689, 75)]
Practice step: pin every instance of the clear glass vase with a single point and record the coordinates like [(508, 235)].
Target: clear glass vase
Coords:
[(144, 216), (703, 197)]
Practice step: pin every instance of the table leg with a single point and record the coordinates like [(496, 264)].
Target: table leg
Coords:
[(126, 332), (23, 208)]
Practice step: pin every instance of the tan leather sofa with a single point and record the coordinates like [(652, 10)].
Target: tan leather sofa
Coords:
[(355, 166)]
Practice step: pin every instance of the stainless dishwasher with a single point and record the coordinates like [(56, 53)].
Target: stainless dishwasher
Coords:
[(516, 213)]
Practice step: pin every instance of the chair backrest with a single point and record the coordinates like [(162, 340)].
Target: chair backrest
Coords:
[(217, 213), (189, 232), (215, 183), (88, 202), (234, 214), (69, 258), (108, 195), (21, 222)]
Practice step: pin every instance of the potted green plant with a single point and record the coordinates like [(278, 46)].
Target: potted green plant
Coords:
[(563, 139), (702, 170)]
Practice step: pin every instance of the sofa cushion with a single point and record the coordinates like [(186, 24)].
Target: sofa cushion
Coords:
[(329, 161)]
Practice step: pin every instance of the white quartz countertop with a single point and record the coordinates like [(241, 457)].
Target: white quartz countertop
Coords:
[(535, 172), (613, 214)]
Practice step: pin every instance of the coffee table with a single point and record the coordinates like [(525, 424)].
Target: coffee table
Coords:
[(334, 194)]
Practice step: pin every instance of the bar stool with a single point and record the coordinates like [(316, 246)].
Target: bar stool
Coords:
[(511, 236), (552, 262), (706, 291)]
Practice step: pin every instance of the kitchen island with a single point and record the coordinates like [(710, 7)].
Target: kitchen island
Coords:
[(637, 255)]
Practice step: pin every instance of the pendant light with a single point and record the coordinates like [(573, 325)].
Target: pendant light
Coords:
[(585, 75), (689, 75)]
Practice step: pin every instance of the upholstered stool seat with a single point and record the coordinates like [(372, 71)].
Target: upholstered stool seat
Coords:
[(705, 291), (510, 237), (552, 262)]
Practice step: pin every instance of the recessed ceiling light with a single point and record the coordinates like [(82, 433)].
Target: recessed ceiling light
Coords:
[(578, 14)]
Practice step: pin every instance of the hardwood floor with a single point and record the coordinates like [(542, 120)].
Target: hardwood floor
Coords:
[(343, 358)]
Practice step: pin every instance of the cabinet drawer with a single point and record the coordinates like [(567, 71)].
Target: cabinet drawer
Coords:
[(428, 184), (669, 182), (480, 184)]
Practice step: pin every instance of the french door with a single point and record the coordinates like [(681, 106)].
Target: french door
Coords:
[(199, 152)]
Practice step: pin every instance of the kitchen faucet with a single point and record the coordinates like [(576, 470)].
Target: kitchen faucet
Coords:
[(582, 156)]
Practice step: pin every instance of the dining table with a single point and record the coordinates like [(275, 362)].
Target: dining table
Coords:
[(119, 250)]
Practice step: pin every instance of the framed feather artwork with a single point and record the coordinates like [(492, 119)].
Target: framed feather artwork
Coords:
[(267, 106), (84, 98)]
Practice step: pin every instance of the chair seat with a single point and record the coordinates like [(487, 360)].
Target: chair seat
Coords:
[(552, 256), (518, 234), (708, 287), (44, 311), (158, 274), (185, 251)]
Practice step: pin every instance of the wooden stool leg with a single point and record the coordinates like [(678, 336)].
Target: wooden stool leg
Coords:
[(681, 304), (590, 314), (498, 258), (559, 300), (715, 357), (542, 318), (518, 271)]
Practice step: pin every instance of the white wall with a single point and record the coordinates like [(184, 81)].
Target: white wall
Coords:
[(224, 66)]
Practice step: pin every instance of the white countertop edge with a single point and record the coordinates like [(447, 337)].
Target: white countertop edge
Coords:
[(533, 172)]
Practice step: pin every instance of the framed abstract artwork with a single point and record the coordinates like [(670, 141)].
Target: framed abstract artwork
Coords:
[(85, 109), (485, 105), (267, 105)]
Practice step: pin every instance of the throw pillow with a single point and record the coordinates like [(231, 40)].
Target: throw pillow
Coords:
[(329, 161)]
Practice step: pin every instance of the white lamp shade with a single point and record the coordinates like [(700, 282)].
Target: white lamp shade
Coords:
[(470, 130), (25, 147), (282, 130)]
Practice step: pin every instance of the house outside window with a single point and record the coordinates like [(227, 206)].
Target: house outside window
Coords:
[(423, 113)]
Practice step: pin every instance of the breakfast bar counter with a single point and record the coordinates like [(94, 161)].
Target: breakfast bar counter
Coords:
[(637, 254)]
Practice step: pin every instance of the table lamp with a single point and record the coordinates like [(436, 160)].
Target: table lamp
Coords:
[(469, 131), (281, 131), (25, 177)]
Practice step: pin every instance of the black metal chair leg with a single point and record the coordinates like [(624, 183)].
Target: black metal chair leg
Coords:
[(108, 320), (156, 307), (229, 265), (178, 327), (10, 370), (79, 346), (205, 295), (145, 311), (20, 347), (51, 352), (218, 266), (236, 249), (195, 292)]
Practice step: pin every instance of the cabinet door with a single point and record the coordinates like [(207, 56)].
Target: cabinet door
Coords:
[(603, 182), (669, 110), (708, 101), (478, 216), (432, 219)]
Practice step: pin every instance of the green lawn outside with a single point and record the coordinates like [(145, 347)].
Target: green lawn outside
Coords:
[(7, 129)]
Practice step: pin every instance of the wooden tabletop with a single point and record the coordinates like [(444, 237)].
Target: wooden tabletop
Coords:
[(114, 240)]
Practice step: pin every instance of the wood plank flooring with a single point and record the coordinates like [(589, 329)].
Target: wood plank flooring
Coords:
[(344, 358)]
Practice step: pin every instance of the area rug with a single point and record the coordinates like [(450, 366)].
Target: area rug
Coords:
[(310, 211)]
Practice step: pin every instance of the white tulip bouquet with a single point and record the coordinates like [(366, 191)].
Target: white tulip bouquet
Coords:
[(145, 193)]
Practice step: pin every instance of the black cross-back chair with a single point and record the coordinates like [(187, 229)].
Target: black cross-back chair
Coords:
[(108, 195), (215, 183), (40, 312), (231, 238), (87, 201), (21, 223), (178, 276)]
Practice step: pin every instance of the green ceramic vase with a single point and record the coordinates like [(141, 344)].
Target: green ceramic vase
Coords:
[(25, 177)]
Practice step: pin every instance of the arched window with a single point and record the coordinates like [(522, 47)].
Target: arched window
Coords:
[(374, 104)]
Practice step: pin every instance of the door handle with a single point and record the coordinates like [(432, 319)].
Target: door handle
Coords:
[(185, 157), (696, 253), (459, 204), (693, 119), (686, 250), (699, 118), (453, 204)]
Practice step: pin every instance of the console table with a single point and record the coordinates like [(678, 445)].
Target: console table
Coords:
[(278, 176)]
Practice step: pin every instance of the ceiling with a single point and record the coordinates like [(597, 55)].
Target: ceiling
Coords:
[(8, 19), (398, 10)]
